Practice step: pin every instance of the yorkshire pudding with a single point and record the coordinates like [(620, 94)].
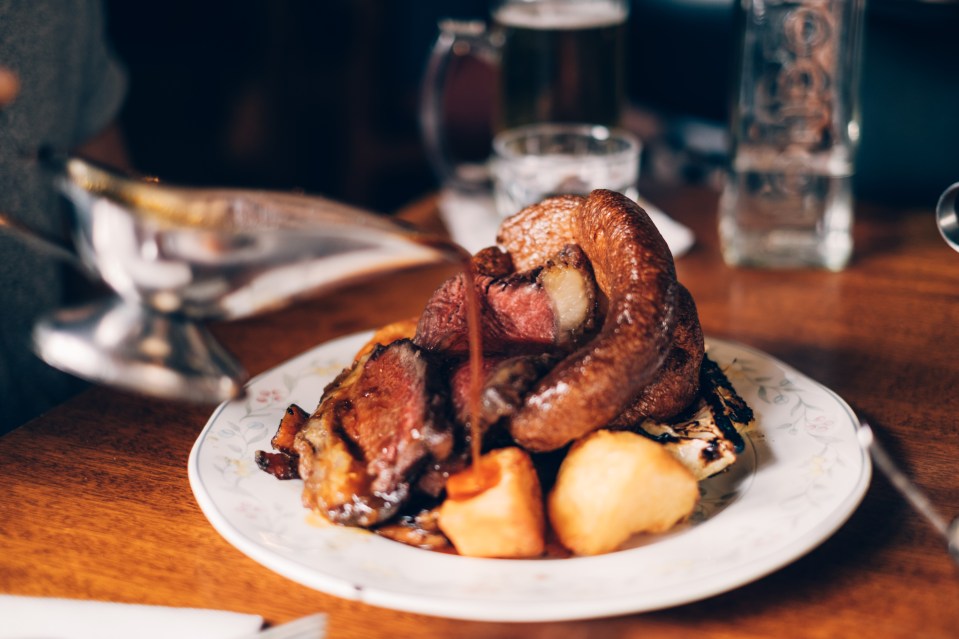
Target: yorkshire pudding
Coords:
[(635, 273)]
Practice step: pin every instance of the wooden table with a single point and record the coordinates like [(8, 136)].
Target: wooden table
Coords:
[(95, 501)]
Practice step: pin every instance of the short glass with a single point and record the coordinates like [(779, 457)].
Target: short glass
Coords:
[(536, 161)]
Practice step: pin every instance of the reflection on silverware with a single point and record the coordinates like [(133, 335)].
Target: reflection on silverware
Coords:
[(133, 348), (909, 490), (947, 218)]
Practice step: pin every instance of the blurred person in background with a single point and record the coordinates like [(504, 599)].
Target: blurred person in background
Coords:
[(60, 87)]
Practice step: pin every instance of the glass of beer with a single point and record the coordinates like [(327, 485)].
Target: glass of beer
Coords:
[(557, 61), (560, 62)]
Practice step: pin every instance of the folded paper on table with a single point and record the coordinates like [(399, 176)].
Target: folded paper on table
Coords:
[(472, 221), (80, 619)]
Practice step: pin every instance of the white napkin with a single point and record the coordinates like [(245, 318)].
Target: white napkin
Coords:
[(27, 617), (472, 221)]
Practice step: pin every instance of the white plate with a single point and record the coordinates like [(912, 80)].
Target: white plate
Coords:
[(799, 478)]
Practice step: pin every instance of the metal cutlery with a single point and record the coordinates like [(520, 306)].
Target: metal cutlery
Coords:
[(909, 490)]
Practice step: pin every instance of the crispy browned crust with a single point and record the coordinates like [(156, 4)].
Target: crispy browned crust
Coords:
[(294, 418), (677, 383), (283, 464), (361, 450), (280, 465)]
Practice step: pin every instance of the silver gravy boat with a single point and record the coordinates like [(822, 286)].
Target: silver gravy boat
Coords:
[(177, 257)]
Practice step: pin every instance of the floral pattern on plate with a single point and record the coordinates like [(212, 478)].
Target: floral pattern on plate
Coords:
[(799, 478)]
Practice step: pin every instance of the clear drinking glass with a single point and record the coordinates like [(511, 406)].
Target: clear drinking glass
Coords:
[(539, 160), (788, 197)]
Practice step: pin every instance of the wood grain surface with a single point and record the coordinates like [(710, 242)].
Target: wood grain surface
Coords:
[(95, 501)]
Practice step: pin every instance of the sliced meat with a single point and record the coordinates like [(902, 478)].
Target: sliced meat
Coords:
[(506, 382), (546, 307), (378, 425), (397, 413)]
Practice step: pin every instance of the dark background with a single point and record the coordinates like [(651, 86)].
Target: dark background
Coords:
[(322, 96)]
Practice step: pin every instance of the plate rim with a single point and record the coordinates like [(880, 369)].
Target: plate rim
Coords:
[(572, 609)]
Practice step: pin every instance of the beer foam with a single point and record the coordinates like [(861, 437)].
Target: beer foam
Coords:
[(562, 15)]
